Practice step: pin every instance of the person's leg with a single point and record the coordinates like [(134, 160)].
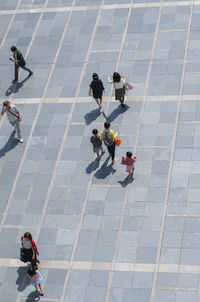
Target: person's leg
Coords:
[(41, 290), (112, 151), (16, 72), (109, 150), (27, 69), (100, 102), (122, 102), (18, 129), (97, 101)]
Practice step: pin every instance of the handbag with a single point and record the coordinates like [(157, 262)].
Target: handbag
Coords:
[(90, 92), (128, 86), (118, 141), (23, 257)]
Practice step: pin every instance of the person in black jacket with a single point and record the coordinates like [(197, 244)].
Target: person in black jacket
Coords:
[(19, 61), (97, 89)]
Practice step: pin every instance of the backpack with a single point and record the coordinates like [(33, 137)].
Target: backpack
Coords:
[(107, 138)]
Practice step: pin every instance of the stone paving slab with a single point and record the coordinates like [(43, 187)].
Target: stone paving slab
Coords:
[(98, 235)]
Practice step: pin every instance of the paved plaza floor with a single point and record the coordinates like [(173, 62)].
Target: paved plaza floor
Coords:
[(100, 238)]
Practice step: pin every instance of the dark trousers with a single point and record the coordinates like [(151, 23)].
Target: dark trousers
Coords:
[(17, 70), (111, 150)]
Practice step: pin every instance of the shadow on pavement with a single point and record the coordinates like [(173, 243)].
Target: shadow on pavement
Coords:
[(127, 180), (116, 112), (33, 296), (93, 166), (105, 170), (14, 88), (21, 280), (10, 144), (92, 116)]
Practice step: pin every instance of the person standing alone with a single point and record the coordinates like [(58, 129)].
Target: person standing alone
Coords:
[(97, 89), (13, 116), (19, 61)]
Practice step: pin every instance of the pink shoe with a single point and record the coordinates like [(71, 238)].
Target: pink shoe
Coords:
[(42, 293)]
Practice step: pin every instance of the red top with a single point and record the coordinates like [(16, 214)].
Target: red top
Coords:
[(34, 247), (128, 161)]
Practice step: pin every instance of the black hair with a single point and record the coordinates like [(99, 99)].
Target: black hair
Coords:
[(95, 76), (116, 77), (129, 154), (33, 268), (107, 125), (94, 131), (6, 103), (13, 48), (28, 235)]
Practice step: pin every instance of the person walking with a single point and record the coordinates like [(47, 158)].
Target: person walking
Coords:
[(129, 162), (29, 248), (13, 116), (97, 143), (108, 137), (36, 277), (19, 61), (97, 89), (119, 86)]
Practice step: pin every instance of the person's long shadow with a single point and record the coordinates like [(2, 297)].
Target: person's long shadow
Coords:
[(33, 296), (14, 88), (105, 170), (10, 144), (116, 112), (92, 116), (93, 166), (21, 280), (127, 180)]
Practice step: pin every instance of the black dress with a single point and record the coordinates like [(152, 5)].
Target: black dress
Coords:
[(97, 89)]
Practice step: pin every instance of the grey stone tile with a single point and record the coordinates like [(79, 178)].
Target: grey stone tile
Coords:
[(167, 280), (98, 278), (84, 253), (187, 281), (146, 255), (103, 253), (97, 292), (122, 279), (119, 294), (56, 276), (170, 256), (140, 295)]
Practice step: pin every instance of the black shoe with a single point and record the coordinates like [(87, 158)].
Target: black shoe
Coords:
[(30, 74), (14, 81), (122, 105)]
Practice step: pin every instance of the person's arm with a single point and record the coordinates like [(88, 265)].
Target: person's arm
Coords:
[(33, 257), (13, 60), (109, 79), (19, 116), (2, 111), (102, 87)]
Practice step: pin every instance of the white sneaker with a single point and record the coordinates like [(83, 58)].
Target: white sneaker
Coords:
[(21, 140)]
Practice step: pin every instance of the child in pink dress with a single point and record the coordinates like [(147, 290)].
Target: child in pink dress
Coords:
[(36, 277), (129, 161)]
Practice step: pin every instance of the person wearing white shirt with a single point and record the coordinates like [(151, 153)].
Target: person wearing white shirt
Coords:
[(119, 86), (13, 116)]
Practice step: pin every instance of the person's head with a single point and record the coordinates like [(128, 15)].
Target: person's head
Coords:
[(28, 236), (106, 125), (7, 104), (95, 132), (116, 77), (13, 48), (129, 154), (95, 76)]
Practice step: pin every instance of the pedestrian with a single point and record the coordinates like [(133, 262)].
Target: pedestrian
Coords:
[(97, 89), (108, 137), (97, 143), (36, 277), (129, 162), (119, 86), (13, 116), (29, 248), (19, 61)]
